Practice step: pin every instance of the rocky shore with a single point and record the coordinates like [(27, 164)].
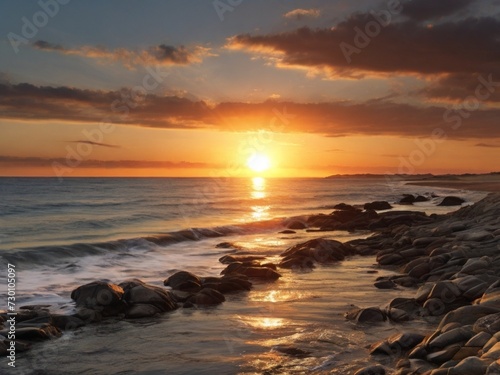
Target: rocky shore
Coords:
[(449, 266)]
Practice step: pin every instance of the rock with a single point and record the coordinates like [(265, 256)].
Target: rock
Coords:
[(41, 332), (405, 341), (183, 280), (469, 366), (407, 199), (489, 324), (317, 250), (479, 339), (467, 315), (296, 224), (491, 297), (206, 297), (451, 201), (445, 291), (443, 355), (367, 315), (371, 370), (493, 353), (100, 296), (142, 310), (344, 207), (66, 322), (140, 293), (377, 206), (385, 284), (421, 198), (466, 351), (287, 231), (493, 368), (248, 259), (454, 336)]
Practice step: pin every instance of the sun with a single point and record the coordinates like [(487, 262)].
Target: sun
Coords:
[(259, 162)]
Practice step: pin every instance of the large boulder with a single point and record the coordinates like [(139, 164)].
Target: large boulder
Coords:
[(451, 201), (100, 296)]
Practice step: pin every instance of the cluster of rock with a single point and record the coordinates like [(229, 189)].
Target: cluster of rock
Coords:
[(133, 299), (33, 324), (455, 261)]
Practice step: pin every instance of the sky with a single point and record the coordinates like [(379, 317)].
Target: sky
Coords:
[(192, 89)]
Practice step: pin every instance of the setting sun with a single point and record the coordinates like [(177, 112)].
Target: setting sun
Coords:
[(258, 163)]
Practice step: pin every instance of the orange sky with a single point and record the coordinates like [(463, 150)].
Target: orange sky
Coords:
[(296, 83)]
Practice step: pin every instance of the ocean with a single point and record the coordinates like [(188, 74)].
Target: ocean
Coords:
[(64, 233)]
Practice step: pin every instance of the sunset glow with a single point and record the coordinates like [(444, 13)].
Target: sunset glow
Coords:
[(259, 163), (163, 99)]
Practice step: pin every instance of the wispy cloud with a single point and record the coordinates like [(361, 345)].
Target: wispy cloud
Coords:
[(161, 54), (32, 161), (299, 14), (95, 143), (488, 145)]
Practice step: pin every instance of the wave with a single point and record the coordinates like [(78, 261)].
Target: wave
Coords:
[(52, 255)]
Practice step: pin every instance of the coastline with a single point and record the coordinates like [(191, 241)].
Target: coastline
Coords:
[(432, 255), (488, 183)]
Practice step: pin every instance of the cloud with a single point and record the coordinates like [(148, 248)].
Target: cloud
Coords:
[(32, 161), (334, 119), (458, 87), (95, 143), (299, 14), (29, 102), (161, 54), (488, 145), (335, 150), (406, 48), (422, 10)]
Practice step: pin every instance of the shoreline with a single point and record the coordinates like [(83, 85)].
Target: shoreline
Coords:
[(486, 183), (447, 261)]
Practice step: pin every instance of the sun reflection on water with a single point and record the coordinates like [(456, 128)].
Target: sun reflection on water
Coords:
[(263, 322), (258, 192)]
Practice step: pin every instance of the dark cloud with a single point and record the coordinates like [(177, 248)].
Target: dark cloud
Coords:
[(42, 44), (36, 103), (464, 46), (162, 54), (30, 102), (31, 161), (422, 10), (458, 87), (96, 144)]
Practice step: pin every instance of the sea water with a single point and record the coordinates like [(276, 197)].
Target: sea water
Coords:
[(63, 233)]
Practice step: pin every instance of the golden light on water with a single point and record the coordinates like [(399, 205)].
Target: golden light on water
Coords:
[(259, 212), (266, 323)]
